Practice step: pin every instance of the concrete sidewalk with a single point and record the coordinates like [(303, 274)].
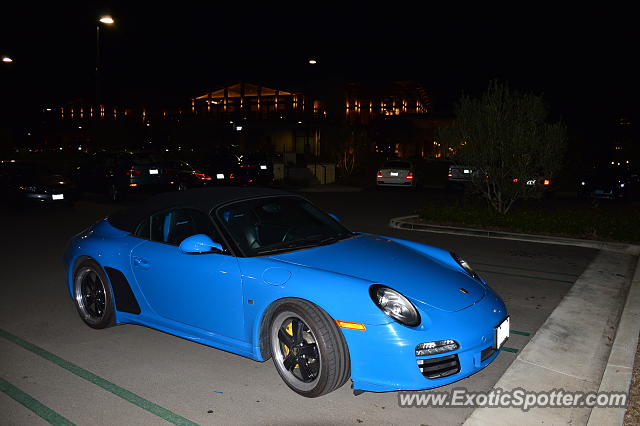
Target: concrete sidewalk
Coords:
[(575, 349)]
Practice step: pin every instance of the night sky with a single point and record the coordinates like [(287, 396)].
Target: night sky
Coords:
[(584, 61)]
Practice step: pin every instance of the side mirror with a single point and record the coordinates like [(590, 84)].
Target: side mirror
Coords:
[(199, 243), (336, 218)]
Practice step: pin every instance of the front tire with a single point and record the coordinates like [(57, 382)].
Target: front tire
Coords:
[(308, 350), (92, 295)]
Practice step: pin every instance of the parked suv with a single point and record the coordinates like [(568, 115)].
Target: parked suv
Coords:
[(117, 173)]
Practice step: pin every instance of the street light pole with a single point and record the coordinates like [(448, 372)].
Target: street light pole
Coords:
[(105, 20), (97, 64)]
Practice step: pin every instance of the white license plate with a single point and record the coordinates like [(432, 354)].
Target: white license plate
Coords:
[(502, 333), (531, 182), (263, 167), (466, 171), (57, 196), (220, 176), (153, 171), (394, 173)]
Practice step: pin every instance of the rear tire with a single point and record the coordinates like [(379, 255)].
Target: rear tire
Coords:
[(92, 295), (308, 350)]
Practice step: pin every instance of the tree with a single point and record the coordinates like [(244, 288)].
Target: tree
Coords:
[(505, 138)]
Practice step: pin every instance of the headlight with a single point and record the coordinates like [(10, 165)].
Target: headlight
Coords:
[(466, 266), (395, 305)]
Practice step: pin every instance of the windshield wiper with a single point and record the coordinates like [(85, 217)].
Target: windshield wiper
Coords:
[(306, 243), (288, 247)]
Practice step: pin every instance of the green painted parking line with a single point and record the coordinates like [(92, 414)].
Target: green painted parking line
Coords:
[(33, 404), (521, 333), (526, 269), (525, 276), (139, 401), (506, 349)]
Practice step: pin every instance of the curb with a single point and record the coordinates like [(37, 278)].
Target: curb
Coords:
[(618, 370), (412, 223)]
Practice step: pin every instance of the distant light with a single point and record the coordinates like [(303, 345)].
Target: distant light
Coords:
[(148, 124), (7, 59), (48, 109), (79, 127), (583, 183), (299, 122), (60, 148), (79, 148), (313, 61), (107, 19)]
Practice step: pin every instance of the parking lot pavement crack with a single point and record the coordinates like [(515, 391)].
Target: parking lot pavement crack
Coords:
[(557, 371)]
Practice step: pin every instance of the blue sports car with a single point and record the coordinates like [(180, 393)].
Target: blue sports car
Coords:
[(265, 274)]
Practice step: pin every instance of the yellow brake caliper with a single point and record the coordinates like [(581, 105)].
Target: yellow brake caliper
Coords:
[(289, 331)]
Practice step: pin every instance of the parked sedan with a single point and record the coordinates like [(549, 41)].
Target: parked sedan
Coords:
[(22, 181), (254, 169), (265, 274), (397, 173), (118, 173)]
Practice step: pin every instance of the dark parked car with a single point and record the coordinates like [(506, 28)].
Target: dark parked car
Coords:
[(185, 175), (253, 169), (22, 181), (117, 173), (613, 181), (220, 167)]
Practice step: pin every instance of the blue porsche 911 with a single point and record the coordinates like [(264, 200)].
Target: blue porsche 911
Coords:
[(265, 274)]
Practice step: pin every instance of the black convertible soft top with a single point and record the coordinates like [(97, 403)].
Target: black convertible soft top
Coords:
[(204, 199)]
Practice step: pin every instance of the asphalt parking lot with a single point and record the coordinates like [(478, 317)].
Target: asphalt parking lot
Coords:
[(134, 375)]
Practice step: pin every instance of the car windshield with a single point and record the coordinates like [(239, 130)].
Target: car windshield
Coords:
[(279, 224), (396, 165)]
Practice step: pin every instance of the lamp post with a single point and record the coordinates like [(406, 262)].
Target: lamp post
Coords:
[(107, 20)]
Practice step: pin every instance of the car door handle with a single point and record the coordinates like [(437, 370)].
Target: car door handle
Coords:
[(141, 263)]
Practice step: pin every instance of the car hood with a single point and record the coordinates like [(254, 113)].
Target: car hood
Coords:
[(380, 260)]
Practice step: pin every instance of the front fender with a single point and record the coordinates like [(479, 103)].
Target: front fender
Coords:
[(342, 297)]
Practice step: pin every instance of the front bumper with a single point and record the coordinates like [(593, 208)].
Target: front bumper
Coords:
[(383, 356)]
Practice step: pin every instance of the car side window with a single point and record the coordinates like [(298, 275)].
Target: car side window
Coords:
[(173, 226), (143, 230)]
